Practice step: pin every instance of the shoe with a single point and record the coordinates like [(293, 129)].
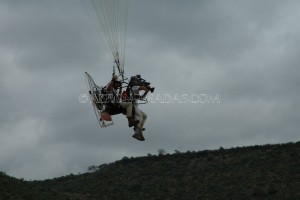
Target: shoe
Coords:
[(138, 134), (152, 89), (142, 137), (141, 134)]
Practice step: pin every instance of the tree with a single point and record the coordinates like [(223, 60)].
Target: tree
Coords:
[(92, 168), (161, 152)]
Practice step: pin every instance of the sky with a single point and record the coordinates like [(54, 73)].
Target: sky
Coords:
[(226, 74)]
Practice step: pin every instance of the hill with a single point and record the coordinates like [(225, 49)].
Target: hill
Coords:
[(256, 172)]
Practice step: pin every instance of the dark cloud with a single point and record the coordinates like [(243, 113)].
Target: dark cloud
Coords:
[(244, 51)]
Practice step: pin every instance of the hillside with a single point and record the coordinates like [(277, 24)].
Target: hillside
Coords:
[(257, 172)]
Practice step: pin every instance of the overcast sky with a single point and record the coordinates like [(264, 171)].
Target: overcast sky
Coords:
[(245, 52)]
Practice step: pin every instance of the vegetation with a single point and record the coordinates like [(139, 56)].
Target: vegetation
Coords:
[(257, 172)]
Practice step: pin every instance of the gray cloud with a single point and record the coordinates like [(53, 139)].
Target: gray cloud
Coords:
[(245, 51)]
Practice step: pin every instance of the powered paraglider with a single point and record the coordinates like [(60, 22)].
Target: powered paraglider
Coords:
[(109, 17)]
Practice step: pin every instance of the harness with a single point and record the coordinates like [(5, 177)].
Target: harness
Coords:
[(111, 102)]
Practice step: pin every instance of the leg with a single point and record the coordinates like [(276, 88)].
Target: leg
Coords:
[(144, 117), (137, 130), (141, 116), (128, 106), (138, 115)]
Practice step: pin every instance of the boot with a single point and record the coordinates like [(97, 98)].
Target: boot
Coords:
[(138, 134), (132, 122), (141, 134)]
